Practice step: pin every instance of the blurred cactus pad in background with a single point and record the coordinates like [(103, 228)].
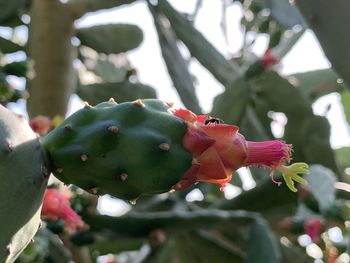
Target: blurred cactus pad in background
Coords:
[(174, 131)]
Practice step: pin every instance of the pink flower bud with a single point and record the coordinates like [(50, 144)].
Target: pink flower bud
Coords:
[(56, 206), (269, 59), (313, 227), (40, 124)]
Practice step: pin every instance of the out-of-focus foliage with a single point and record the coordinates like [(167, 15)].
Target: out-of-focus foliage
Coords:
[(261, 224)]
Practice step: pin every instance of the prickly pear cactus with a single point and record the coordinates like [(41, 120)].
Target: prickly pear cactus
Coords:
[(125, 149), (23, 179)]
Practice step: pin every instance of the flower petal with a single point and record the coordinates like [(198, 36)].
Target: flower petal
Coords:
[(186, 115), (188, 179), (196, 141), (222, 131), (212, 169)]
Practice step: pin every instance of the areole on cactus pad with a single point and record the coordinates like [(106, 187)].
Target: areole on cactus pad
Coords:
[(146, 147)]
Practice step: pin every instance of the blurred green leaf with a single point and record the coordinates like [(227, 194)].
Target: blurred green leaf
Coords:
[(9, 9), (252, 128), (345, 100), (120, 91), (109, 72), (140, 224), (314, 141), (261, 109), (199, 47), (231, 104), (285, 13), (47, 247), (317, 83), (193, 247), (111, 38), (321, 184), (332, 36), (7, 46), (17, 68), (176, 65), (343, 157), (116, 246), (281, 95), (262, 246)]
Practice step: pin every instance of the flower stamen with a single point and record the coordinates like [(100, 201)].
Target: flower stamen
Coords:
[(272, 175), (290, 174)]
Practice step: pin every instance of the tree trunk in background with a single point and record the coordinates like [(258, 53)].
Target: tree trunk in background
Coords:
[(52, 77)]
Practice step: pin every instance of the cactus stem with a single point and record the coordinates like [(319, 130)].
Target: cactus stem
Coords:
[(83, 157), (164, 146), (59, 170), (94, 190), (133, 201), (87, 105), (68, 127), (111, 100), (113, 129), (123, 176), (138, 103)]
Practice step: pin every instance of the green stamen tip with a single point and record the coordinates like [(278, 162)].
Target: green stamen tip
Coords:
[(291, 173)]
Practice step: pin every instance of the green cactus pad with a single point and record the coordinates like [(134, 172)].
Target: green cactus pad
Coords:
[(124, 150), (23, 178)]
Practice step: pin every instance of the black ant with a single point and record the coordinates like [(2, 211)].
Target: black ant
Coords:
[(212, 120)]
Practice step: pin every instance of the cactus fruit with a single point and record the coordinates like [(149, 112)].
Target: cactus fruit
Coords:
[(146, 147), (125, 149), (23, 178)]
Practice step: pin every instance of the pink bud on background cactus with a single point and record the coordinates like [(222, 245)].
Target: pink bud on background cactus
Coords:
[(219, 149), (269, 59), (56, 206), (313, 227), (40, 124)]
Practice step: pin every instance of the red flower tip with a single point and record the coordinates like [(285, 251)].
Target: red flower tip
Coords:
[(56, 206), (314, 227), (40, 124), (219, 149), (269, 59), (186, 115)]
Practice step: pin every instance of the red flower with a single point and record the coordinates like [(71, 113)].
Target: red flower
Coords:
[(313, 227), (56, 206), (269, 59), (219, 149), (40, 124)]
